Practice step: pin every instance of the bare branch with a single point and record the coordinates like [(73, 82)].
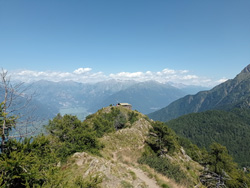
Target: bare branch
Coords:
[(16, 111)]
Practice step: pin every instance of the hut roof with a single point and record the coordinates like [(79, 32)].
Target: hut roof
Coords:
[(124, 104)]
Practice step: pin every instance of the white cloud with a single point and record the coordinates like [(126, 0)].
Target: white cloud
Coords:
[(86, 75), (149, 73), (168, 71), (190, 77), (127, 75), (184, 71), (221, 80), (82, 70)]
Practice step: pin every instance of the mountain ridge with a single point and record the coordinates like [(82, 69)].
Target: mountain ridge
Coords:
[(122, 149), (84, 98), (232, 93), (145, 96)]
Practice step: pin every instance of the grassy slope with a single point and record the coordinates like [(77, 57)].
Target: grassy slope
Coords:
[(118, 165)]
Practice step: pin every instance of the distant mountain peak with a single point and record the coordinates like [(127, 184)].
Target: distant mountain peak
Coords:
[(226, 96), (244, 74), (246, 69)]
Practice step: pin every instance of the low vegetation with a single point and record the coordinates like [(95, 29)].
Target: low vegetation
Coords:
[(162, 143), (112, 139), (39, 161)]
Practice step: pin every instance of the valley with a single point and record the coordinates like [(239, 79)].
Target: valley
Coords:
[(83, 99)]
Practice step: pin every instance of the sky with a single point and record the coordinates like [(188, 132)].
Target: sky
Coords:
[(191, 42)]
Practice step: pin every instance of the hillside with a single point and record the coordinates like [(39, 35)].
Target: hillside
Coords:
[(228, 95), (119, 162), (231, 129), (115, 147)]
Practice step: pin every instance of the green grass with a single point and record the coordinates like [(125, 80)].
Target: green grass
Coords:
[(126, 184), (132, 174)]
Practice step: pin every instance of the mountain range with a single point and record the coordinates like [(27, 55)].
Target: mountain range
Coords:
[(217, 115), (120, 147), (228, 95), (82, 99)]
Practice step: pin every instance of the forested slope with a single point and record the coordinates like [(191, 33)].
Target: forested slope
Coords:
[(231, 129)]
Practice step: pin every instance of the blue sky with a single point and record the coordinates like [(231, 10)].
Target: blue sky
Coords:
[(201, 40)]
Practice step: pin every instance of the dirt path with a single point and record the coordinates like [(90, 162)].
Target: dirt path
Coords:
[(141, 175)]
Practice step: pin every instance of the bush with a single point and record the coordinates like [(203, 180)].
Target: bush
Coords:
[(162, 139), (25, 163), (133, 117), (164, 166), (73, 136), (109, 122)]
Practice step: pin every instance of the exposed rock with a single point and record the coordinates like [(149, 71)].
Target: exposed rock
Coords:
[(186, 157), (114, 174)]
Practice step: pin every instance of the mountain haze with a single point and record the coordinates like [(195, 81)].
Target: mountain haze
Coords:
[(73, 97), (146, 97), (82, 99), (228, 95)]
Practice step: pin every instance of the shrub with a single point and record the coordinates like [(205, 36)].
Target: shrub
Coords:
[(73, 136), (164, 166), (25, 163), (162, 139), (133, 117)]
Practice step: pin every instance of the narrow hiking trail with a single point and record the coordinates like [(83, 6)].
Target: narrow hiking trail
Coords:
[(141, 175), (151, 183)]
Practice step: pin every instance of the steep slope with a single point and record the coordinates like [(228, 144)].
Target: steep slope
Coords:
[(230, 94), (231, 129)]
